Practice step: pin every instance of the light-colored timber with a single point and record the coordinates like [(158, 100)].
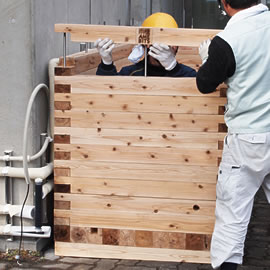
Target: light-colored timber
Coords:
[(135, 158), (136, 35), (136, 203), (115, 252)]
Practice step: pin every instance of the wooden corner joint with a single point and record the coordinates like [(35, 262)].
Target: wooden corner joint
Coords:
[(62, 88), (222, 127)]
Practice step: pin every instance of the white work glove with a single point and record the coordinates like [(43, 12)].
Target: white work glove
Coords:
[(203, 50), (105, 47), (164, 54), (136, 54)]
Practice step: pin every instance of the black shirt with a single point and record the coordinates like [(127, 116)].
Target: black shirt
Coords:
[(179, 70), (219, 66)]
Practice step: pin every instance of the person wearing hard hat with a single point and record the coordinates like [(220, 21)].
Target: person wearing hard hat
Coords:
[(239, 56), (161, 59)]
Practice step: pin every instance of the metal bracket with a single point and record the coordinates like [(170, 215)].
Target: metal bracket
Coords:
[(65, 48), (145, 62)]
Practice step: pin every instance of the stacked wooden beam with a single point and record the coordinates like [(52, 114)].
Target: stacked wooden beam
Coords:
[(136, 161)]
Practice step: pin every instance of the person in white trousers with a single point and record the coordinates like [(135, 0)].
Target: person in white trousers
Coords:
[(239, 56)]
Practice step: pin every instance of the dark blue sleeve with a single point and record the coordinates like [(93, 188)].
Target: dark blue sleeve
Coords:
[(110, 70), (106, 70), (127, 71), (181, 70)]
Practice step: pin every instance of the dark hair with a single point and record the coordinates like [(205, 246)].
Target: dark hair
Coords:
[(240, 4)]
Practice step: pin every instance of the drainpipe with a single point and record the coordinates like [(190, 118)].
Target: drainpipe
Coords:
[(26, 124), (52, 64), (47, 188), (9, 191), (38, 203), (34, 173), (15, 210), (44, 147)]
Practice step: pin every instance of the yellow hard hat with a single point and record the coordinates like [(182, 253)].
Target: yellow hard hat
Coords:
[(161, 20)]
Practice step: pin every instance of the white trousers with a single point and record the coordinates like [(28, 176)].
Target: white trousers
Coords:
[(244, 168)]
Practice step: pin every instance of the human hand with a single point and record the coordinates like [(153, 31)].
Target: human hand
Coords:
[(105, 47), (203, 50), (164, 54)]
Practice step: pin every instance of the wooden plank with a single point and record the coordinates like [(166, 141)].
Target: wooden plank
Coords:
[(62, 155), (127, 187), (91, 59), (59, 204), (156, 172), (173, 190), (61, 171), (134, 154), (62, 105), (139, 103), (182, 36), (188, 50), (110, 237), (198, 241), (169, 240), (64, 71), (62, 88), (62, 139), (62, 233), (148, 205), (62, 122), (186, 55), (133, 85), (189, 59), (138, 221), (136, 35), (143, 239), (61, 221), (148, 121), (131, 253), (151, 138), (62, 188), (83, 61), (85, 235), (127, 238)]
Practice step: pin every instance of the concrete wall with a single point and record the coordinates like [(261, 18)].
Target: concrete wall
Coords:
[(112, 12), (27, 43), (16, 56)]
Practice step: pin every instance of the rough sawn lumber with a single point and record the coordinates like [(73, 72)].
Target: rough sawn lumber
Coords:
[(136, 35)]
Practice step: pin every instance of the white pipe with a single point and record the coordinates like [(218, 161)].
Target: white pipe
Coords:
[(27, 119), (52, 64), (47, 188), (28, 231), (15, 210), (29, 158), (42, 172), (42, 150)]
